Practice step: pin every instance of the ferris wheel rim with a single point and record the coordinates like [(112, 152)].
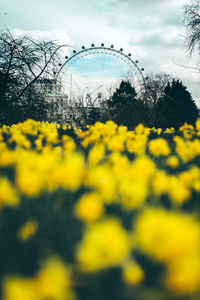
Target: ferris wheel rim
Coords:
[(104, 50)]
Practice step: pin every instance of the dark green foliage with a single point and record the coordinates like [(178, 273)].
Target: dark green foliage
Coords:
[(34, 106), (125, 109), (8, 86), (94, 115), (122, 96), (55, 215), (175, 107), (31, 106)]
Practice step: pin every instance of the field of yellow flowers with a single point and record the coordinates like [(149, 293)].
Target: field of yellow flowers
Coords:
[(100, 214)]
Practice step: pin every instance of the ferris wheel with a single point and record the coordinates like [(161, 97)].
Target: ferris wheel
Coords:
[(96, 70)]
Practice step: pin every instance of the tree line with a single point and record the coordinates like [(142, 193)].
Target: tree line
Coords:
[(172, 108)]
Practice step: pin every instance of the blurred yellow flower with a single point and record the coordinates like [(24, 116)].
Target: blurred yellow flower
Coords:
[(8, 194), (27, 230), (53, 281), (173, 161), (133, 193), (68, 173), (7, 157), (102, 180), (160, 183), (89, 208), (183, 149), (132, 273), (167, 235), (183, 275), (96, 154), (16, 288), (178, 192), (68, 143), (159, 147), (116, 143), (104, 244)]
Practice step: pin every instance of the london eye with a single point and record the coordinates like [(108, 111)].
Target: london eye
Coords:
[(96, 71)]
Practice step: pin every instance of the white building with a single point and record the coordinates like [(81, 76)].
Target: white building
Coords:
[(55, 97)]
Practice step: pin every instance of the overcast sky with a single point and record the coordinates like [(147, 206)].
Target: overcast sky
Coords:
[(152, 30)]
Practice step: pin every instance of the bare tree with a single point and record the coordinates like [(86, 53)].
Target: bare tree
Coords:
[(192, 22), (153, 88), (85, 108), (22, 62)]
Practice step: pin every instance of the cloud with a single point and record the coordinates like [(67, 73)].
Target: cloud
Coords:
[(160, 38), (58, 35)]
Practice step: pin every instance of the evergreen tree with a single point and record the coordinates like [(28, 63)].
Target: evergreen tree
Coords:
[(122, 96), (175, 107), (125, 109)]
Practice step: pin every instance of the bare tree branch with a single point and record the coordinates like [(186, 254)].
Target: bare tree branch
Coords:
[(192, 22), (22, 62)]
